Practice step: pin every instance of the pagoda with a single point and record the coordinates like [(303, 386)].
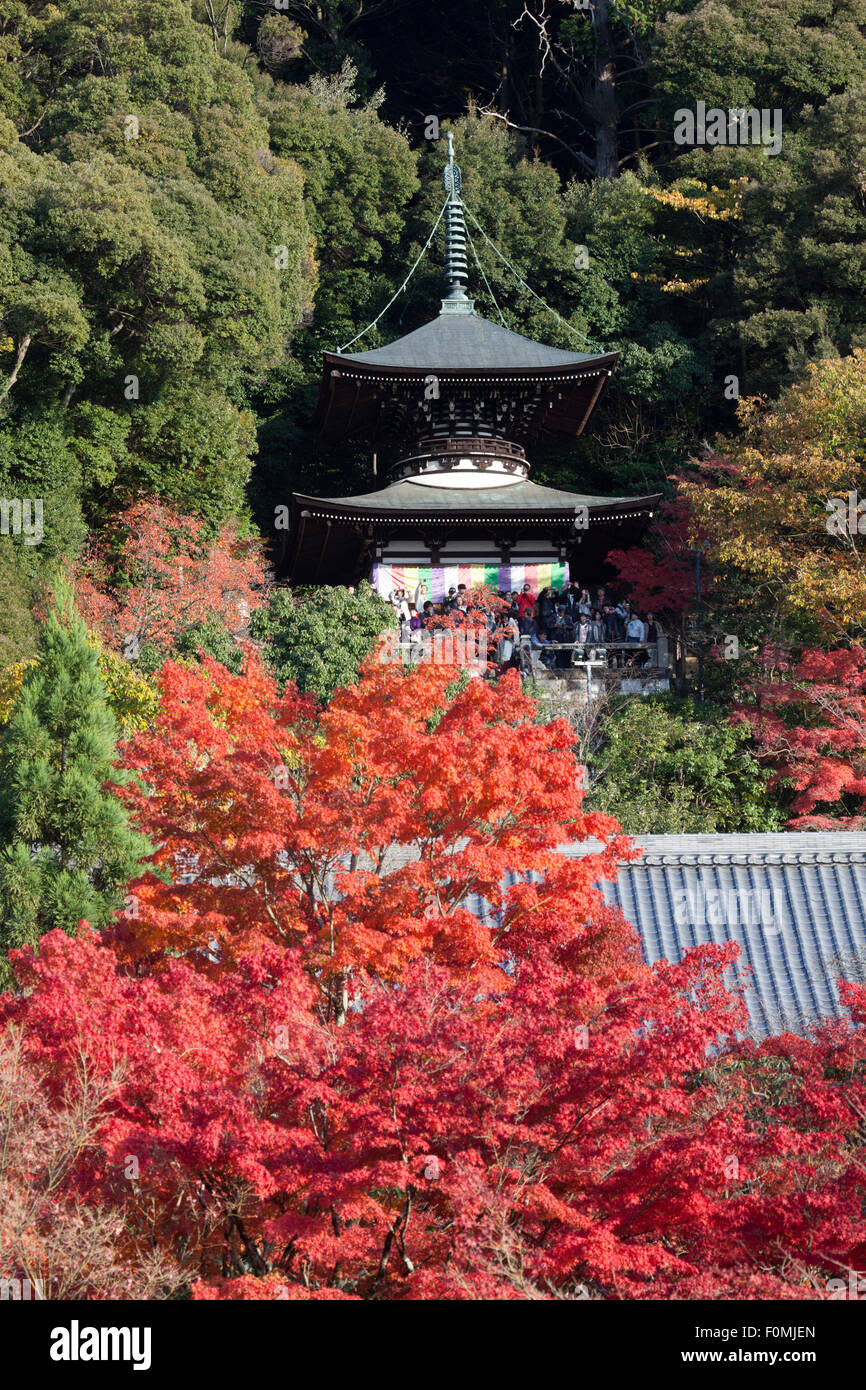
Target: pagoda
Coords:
[(458, 402)]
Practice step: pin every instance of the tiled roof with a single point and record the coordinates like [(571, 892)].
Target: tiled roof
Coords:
[(469, 341), (795, 903), (525, 496)]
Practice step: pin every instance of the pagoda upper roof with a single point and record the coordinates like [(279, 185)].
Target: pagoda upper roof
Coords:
[(468, 342), (460, 348)]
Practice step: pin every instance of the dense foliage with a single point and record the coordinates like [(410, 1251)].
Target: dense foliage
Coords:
[(670, 767), (776, 513), (318, 640), (808, 720), (155, 582), (67, 851), (317, 1069)]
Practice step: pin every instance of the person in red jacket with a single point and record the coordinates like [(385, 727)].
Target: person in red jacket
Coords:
[(526, 603)]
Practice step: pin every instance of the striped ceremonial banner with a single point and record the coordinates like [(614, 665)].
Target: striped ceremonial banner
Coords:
[(387, 578)]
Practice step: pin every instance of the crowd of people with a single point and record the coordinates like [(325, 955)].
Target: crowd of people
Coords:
[(556, 627)]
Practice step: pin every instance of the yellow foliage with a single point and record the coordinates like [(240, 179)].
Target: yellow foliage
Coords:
[(132, 699), (771, 511), (683, 286), (11, 681), (715, 204)]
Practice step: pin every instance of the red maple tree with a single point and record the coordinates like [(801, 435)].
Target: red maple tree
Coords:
[(358, 835), (660, 575), (443, 1074), (808, 718), (159, 572), (566, 1137)]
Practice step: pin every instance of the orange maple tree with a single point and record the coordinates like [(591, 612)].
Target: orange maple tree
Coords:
[(358, 837)]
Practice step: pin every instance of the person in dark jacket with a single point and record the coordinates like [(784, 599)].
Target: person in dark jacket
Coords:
[(546, 610), (562, 631)]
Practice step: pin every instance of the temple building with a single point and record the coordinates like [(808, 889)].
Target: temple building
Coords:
[(457, 404)]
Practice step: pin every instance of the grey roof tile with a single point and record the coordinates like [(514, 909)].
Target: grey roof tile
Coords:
[(410, 496), (794, 902), (467, 341), (810, 888)]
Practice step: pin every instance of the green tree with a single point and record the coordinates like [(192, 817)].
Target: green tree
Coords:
[(799, 283), (319, 639), (66, 848), (39, 464), (788, 287), (733, 54), (155, 256), (211, 637), (669, 766), (359, 177)]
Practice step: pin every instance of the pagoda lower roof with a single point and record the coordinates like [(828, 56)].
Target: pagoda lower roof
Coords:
[(415, 500)]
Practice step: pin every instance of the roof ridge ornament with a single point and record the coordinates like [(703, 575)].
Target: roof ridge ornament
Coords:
[(456, 300)]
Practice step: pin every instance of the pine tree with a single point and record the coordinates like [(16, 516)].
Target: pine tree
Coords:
[(66, 849)]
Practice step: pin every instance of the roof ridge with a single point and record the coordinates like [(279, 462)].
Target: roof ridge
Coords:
[(813, 856)]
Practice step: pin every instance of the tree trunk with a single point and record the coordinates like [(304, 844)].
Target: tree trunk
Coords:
[(603, 103), (505, 75), (536, 98), (340, 998), (19, 362), (680, 680)]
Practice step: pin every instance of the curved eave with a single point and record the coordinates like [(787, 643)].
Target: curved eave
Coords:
[(353, 511), (351, 391)]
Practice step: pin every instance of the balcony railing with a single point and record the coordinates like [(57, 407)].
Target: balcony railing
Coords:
[(470, 647), (598, 654)]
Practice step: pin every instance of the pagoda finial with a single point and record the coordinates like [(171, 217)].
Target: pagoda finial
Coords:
[(456, 266)]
